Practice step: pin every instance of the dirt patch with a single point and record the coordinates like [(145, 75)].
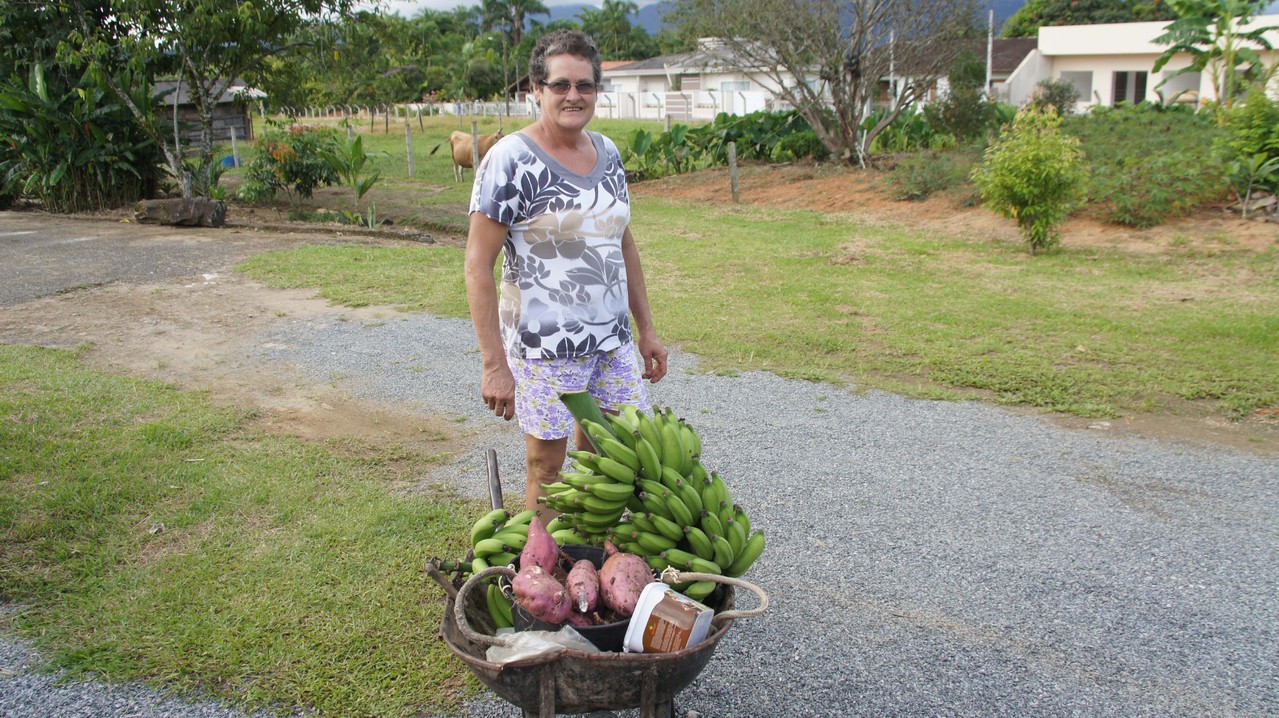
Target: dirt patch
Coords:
[(866, 194), (195, 335)]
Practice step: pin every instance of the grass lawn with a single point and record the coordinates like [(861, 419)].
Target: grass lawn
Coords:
[(153, 535)]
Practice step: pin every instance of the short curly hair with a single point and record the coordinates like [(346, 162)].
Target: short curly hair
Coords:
[(563, 42)]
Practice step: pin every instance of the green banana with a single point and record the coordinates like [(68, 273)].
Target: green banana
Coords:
[(513, 540), (698, 475), (701, 565), (692, 440), (652, 487), (617, 451), (625, 531), (630, 412), (651, 433), (666, 527), (635, 505), (723, 550), (671, 478), (751, 551), (597, 431), (590, 518), (672, 448), (585, 458), (740, 516), (487, 524), (679, 558), (599, 505), (623, 429), (680, 513), (566, 537), (479, 564), (555, 487), (653, 543), (736, 537), (502, 559), (721, 491), (699, 542), (699, 590), (523, 518), (657, 563), (499, 607), (487, 547), (611, 491), (616, 470), (711, 524), (641, 520), (650, 460), (691, 497), (580, 480), (655, 505)]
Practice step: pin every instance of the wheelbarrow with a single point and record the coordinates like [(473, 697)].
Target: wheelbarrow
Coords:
[(572, 681)]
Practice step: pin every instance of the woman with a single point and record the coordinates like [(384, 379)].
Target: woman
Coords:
[(552, 198)]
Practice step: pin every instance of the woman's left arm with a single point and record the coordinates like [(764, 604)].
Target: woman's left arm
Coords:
[(649, 344)]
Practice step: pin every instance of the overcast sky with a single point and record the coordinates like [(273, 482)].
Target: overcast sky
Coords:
[(409, 8)]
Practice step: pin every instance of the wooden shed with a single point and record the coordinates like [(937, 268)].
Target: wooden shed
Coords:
[(231, 112)]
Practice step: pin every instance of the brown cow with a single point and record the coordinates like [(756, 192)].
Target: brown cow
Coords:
[(461, 144)]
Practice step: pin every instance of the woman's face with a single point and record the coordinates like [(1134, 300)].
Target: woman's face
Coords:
[(572, 110)]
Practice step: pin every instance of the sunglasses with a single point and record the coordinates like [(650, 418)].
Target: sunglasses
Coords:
[(563, 86)]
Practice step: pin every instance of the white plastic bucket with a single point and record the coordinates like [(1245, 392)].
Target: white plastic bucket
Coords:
[(666, 621)]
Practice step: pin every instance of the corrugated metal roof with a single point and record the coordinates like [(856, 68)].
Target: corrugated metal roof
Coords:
[(229, 92)]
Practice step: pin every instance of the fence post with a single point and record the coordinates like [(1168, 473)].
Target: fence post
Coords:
[(235, 148), (386, 119), (732, 172), (408, 142), (475, 146)]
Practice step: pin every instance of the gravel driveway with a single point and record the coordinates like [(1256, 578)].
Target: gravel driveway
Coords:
[(924, 558)]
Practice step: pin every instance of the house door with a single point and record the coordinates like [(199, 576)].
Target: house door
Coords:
[(1128, 87)]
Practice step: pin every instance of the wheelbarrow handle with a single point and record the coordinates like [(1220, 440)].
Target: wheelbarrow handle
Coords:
[(672, 575), (463, 596)]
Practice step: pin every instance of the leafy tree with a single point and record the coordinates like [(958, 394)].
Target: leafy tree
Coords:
[(213, 43), (965, 111), (1220, 38), (837, 52), (1034, 174), (612, 30), (1037, 13)]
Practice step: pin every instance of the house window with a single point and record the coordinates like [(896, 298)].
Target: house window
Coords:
[(1183, 88), (735, 86), (1082, 82), (1128, 87)]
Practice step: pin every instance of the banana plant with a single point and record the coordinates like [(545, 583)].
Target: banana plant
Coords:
[(347, 159)]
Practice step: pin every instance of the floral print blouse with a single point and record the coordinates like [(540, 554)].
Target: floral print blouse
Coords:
[(563, 285)]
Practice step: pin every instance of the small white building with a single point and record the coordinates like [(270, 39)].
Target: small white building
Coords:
[(1115, 63), (688, 86)]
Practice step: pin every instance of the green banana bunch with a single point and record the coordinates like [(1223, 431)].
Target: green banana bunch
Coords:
[(644, 487)]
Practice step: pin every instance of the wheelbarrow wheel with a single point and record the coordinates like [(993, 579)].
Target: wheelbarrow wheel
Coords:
[(665, 709)]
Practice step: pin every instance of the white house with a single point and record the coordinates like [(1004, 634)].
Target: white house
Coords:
[(1115, 63), (694, 85)]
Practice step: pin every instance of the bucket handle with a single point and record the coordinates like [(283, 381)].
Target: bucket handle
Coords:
[(672, 575), (463, 596)]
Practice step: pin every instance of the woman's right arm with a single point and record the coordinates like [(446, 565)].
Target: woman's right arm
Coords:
[(483, 244)]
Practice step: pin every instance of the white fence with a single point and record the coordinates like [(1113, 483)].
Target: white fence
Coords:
[(679, 106)]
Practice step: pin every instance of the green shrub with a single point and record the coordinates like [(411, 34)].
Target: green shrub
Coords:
[(964, 113), (1059, 94), (1147, 189), (1149, 162), (291, 159), (1251, 127), (799, 145), (72, 146), (925, 173), (1034, 174)]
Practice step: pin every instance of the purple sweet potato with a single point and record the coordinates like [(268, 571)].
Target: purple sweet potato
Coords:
[(622, 577), (541, 595), (540, 549), (583, 586)]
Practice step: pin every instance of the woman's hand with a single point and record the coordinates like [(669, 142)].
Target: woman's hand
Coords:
[(497, 387), (655, 358)]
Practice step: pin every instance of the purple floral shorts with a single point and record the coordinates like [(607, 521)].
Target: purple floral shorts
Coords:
[(612, 377)]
